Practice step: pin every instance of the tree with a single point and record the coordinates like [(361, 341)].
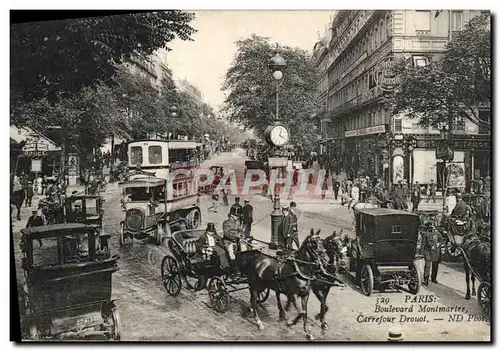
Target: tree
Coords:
[(251, 89), (453, 87), (56, 59)]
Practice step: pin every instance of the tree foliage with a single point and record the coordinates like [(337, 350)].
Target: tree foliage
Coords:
[(251, 89), (456, 85), (56, 59)]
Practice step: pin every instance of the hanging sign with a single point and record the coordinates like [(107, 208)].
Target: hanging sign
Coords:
[(36, 165)]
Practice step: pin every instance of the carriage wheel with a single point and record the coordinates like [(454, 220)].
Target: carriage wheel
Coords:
[(116, 324), (366, 280), (171, 275), (122, 234), (263, 296), (158, 232), (193, 219), (483, 298), (415, 279), (219, 297)]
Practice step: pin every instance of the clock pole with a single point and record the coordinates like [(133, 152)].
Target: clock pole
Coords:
[(277, 64)]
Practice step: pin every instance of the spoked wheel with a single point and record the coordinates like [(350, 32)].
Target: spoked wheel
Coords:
[(122, 234), (366, 280), (171, 275), (219, 297), (483, 298), (113, 322), (263, 296), (415, 279), (193, 219)]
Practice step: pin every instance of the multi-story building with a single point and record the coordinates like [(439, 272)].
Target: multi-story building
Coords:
[(355, 121)]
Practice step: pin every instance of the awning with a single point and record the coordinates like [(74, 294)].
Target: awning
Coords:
[(35, 142)]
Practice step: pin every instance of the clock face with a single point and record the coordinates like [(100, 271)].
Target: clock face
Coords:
[(279, 135)]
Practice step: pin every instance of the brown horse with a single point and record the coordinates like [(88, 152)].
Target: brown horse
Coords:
[(336, 248), (292, 274), (477, 257)]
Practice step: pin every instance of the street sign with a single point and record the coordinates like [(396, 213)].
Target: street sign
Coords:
[(36, 165)]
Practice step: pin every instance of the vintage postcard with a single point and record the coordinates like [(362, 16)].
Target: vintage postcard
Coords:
[(252, 175)]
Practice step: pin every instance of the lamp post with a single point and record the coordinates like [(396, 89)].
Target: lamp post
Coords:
[(277, 65), (411, 144), (174, 114), (444, 137)]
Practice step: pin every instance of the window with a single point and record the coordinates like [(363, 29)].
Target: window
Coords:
[(420, 61), (136, 155), (457, 21), (396, 229), (398, 125), (181, 155), (422, 20), (155, 154)]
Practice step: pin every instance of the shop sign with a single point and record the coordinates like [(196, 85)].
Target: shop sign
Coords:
[(381, 128), (457, 144), (36, 165), (385, 76)]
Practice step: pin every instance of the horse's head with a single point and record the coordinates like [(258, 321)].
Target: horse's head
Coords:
[(336, 246), (313, 247)]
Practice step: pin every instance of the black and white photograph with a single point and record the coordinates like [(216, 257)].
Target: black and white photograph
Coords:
[(247, 176)]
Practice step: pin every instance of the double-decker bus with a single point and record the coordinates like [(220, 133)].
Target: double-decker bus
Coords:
[(161, 158)]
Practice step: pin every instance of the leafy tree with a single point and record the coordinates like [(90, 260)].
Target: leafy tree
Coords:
[(56, 59), (453, 87), (251, 89)]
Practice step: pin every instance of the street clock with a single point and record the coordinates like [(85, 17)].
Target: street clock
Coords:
[(277, 134)]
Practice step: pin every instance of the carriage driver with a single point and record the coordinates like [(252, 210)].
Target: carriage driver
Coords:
[(232, 232), (431, 248)]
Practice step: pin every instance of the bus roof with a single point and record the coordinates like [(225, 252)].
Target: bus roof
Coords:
[(142, 183), (172, 144)]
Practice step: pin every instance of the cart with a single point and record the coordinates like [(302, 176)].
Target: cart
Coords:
[(187, 262)]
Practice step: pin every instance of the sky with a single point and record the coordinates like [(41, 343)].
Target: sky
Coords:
[(204, 61)]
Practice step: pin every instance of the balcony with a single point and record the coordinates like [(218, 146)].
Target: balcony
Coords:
[(423, 33)]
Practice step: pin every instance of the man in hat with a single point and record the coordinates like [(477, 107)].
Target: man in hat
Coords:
[(415, 197), (431, 248), (289, 226), (36, 220), (460, 209), (231, 234), (29, 193), (432, 191), (236, 209), (247, 218)]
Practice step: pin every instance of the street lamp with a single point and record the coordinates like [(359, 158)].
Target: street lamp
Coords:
[(277, 65), (411, 144), (173, 110)]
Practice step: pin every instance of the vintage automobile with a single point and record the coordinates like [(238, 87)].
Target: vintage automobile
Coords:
[(86, 209), (383, 253), (153, 209), (66, 293)]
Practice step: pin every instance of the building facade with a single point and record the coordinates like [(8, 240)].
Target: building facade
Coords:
[(355, 124)]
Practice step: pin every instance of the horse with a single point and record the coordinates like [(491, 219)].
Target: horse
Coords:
[(291, 274), (336, 248), (477, 257), (17, 198)]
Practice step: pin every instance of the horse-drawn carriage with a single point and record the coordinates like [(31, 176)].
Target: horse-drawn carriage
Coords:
[(191, 261), (67, 288), (383, 253), (86, 209)]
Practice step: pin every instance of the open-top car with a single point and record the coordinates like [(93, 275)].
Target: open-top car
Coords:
[(383, 253), (67, 289), (86, 209)]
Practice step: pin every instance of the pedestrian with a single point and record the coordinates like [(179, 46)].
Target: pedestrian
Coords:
[(247, 218), (39, 185), (215, 201), (415, 198), (431, 193), (44, 185), (36, 220), (224, 197), (29, 193), (290, 226), (405, 192), (355, 191), (460, 210), (236, 209), (324, 187), (336, 187), (431, 248)]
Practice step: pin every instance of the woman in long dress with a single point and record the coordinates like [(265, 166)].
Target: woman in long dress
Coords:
[(39, 185)]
